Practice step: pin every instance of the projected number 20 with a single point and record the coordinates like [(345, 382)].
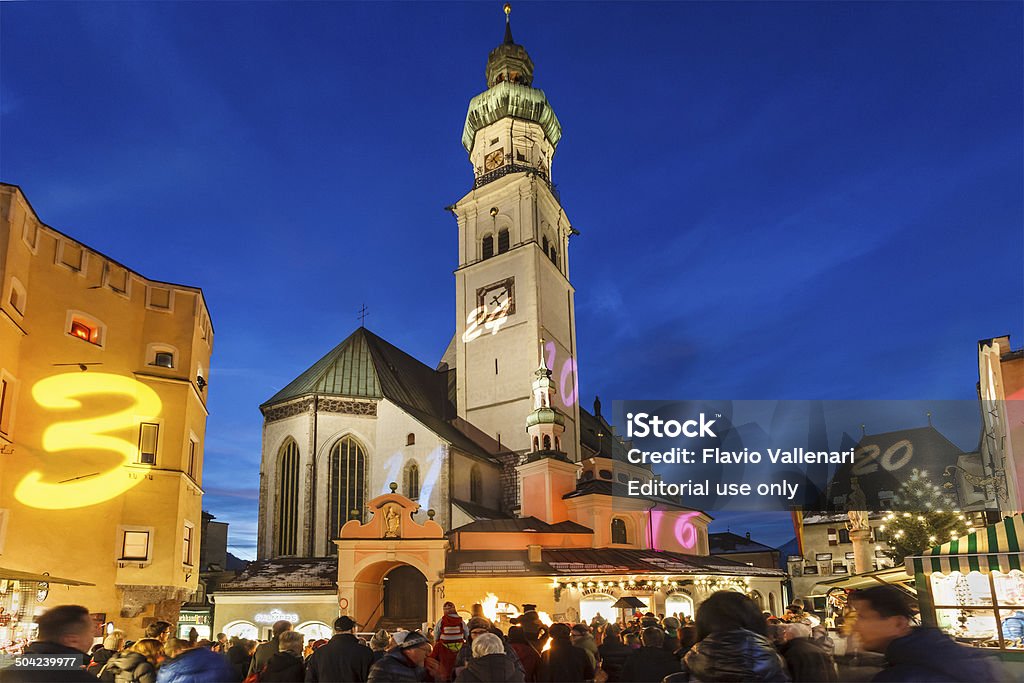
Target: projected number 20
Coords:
[(69, 393)]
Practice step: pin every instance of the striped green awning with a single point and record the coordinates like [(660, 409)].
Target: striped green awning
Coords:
[(994, 548)]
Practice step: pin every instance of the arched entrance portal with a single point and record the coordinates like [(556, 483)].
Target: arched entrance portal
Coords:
[(405, 598)]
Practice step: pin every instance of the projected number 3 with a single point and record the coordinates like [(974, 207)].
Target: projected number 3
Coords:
[(69, 392)]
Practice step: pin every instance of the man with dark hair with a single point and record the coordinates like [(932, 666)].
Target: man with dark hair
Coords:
[(613, 653), (885, 623), (343, 658), (406, 662), (268, 649), (563, 662), (64, 631), (581, 638), (160, 630), (652, 662)]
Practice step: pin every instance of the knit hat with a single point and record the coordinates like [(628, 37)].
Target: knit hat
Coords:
[(478, 623), (670, 622), (413, 639), (379, 641)]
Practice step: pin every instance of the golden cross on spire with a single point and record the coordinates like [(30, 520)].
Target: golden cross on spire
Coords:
[(508, 10)]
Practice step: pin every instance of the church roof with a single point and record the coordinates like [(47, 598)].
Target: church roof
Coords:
[(521, 524), (366, 366)]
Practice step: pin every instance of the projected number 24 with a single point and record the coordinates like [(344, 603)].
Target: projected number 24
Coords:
[(69, 393)]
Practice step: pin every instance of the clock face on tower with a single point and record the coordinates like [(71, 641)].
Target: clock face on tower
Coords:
[(494, 160), (497, 296)]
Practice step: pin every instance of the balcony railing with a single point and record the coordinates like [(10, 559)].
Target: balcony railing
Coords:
[(517, 168)]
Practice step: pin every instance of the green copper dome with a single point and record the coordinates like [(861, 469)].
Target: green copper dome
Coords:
[(515, 100), (544, 416)]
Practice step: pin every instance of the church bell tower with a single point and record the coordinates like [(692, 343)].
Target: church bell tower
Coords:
[(512, 283)]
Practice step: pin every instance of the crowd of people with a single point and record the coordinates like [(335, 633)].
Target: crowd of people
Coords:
[(728, 640)]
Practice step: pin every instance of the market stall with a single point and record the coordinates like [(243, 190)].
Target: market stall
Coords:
[(22, 595), (973, 587)]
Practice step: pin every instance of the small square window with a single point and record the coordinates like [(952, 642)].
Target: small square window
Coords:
[(81, 330), (135, 545), (149, 436), (164, 359)]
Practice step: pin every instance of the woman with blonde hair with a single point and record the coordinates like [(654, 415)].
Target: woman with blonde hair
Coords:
[(137, 664)]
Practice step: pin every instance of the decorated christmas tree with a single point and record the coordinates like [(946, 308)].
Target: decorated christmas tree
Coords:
[(921, 517)]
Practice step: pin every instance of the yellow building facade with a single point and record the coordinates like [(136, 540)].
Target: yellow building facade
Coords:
[(103, 386)]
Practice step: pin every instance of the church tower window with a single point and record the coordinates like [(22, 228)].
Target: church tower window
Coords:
[(412, 481), (347, 491), (288, 500), (619, 531), (476, 485), (410, 439), (488, 245), (544, 243), (502, 241)]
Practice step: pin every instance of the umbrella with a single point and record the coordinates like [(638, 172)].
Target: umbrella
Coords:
[(628, 602)]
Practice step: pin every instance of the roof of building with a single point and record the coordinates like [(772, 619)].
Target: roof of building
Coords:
[(593, 561), (367, 366), (921, 449), (287, 573), (520, 524), (479, 511), (726, 542)]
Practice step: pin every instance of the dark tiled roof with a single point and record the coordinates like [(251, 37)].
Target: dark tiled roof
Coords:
[(519, 524), (287, 573), (597, 438), (591, 561), (618, 489), (932, 452), (366, 366), (479, 511), (727, 542)]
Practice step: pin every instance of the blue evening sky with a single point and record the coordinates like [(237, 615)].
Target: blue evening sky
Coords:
[(791, 200)]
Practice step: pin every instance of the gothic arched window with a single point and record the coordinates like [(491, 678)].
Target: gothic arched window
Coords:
[(347, 490), (476, 485), (411, 475), (544, 244), (553, 253), (488, 245), (287, 536), (619, 531), (502, 241)]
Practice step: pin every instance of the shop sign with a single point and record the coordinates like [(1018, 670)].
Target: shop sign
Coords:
[(197, 618), (275, 615)]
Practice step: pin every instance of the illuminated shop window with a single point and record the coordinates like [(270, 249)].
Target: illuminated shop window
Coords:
[(288, 499), (186, 548), (476, 485), (502, 241), (619, 531), (163, 359), (488, 246), (149, 437), (412, 481), (135, 545), (347, 483)]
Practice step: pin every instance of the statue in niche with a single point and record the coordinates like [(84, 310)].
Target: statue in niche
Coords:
[(392, 521)]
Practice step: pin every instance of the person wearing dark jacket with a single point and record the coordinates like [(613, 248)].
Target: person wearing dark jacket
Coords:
[(564, 662), (137, 664), (112, 644), (652, 662), (343, 658), (404, 663), (529, 657), (489, 663), (286, 665), (884, 623), (240, 657), (732, 644), (64, 631), (265, 651), (806, 661), (613, 653)]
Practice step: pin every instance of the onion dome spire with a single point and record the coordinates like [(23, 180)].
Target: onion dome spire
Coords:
[(509, 62)]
